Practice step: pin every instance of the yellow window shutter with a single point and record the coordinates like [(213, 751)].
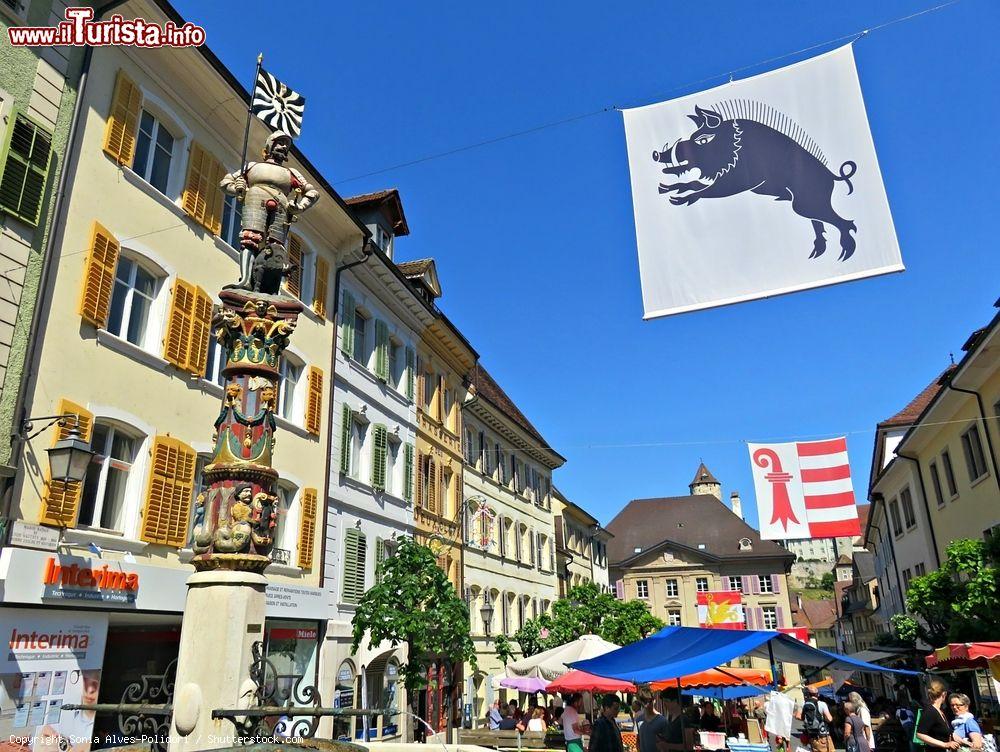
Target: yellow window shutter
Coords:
[(202, 199), (61, 502), (320, 292), (307, 527), (314, 405), (168, 494), (177, 344), (123, 120), (293, 280), (201, 328), (99, 276), (432, 486)]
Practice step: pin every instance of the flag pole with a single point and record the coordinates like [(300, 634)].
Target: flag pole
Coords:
[(246, 132)]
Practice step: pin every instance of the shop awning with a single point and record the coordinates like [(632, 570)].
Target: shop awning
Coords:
[(719, 677), (679, 651), (581, 681), (726, 693), (967, 655)]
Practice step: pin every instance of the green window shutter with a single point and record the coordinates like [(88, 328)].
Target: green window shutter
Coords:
[(347, 314), (25, 169), (380, 447), (345, 440), (381, 350), (408, 472), (355, 549), (379, 558), (411, 372)]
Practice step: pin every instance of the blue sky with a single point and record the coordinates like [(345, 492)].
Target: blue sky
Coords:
[(534, 236)]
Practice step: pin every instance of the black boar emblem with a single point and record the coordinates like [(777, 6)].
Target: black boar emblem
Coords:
[(748, 146)]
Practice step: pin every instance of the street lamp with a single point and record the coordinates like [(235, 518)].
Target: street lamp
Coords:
[(69, 457), (486, 613)]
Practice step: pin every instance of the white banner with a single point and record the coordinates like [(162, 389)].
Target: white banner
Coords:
[(759, 187), (804, 490)]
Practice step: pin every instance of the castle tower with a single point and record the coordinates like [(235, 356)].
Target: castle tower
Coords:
[(705, 483)]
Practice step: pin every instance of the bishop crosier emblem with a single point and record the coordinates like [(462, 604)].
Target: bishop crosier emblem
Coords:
[(782, 507)]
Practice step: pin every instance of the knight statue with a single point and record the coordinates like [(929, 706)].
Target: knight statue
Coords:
[(272, 196)]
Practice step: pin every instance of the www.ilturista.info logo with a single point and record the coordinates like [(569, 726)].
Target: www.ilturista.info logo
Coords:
[(80, 30)]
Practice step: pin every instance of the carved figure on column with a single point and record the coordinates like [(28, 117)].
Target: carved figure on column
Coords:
[(272, 196)]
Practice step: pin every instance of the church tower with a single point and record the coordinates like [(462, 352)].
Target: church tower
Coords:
[(705, 483)]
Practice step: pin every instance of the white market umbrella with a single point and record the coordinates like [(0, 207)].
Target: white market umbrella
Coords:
[(551, 664)]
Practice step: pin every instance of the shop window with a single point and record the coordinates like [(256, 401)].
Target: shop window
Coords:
[(343, 697), (291, 649), (104, 490)]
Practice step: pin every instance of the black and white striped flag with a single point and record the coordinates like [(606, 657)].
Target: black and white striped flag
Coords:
[(277, 105)]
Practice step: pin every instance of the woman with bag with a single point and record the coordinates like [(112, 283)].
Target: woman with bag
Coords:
[(857, 736), (933, 728)]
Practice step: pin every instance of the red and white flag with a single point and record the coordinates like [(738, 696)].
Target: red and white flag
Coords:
[(804, 490)]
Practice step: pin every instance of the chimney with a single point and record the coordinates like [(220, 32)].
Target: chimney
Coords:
[(735, 504)]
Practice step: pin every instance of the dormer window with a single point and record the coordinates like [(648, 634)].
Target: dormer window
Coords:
[(746, 544), (383, 239)]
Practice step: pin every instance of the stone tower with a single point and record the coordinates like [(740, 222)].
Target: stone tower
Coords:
[(705, 483)]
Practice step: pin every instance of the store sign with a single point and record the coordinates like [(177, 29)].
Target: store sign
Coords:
[(282, 633), (76, 582), (286, 601), (33, 536), (52, 659)]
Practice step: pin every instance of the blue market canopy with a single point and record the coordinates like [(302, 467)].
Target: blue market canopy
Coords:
[(679, 651), (726, 693)]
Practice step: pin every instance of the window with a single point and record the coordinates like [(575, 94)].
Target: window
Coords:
[(355, 553), (131, 301), (358, 431), (906, 500), (289, 374), (446, 403), (736, 583), (470, 447), (232, 211), (154, 148), (907, 576), (391, 463), (674, 617), (936, 483), (770, 617), (397, 364), (501, 464), (284, 532), (25, 170), (361, 354), (214, 362), (949, 474), (307, 276), (428, 381), (897, 525), (672, 590), (975, 460), (383, 240), (919, 570), (103, 502), (701, 584), (744, 662), (642, 588), (765, 583)]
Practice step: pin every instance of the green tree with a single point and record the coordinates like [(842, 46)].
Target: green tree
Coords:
[(586, 610), (826, 581), (413, 603), (503, 648), (958, 602)]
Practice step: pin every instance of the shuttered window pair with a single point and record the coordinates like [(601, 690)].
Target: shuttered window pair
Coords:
[(27, 156), (428, 483), (189, 326), (307, 527), (355, 552)]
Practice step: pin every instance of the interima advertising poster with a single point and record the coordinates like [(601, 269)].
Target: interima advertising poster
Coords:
[(49, 660)]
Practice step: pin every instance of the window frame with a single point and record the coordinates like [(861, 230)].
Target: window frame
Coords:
[(949, 473), (154, 312), (738, 580), (362, 335), (764, 584), (215, 360), (134, 478), (906, 505), (676, 588), (675, 617), (162, 119), (642, 589), (936, 483), (895, 518), (974, 453), (765, 611), (294, 401), (232, 213), (698, 585)]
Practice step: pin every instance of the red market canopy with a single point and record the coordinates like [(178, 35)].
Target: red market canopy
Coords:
[(581, 681), (714, 677), (966, 655)]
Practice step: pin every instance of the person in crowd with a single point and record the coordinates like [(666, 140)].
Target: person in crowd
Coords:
[(857, 735), (864, 714), (557, 717), (816, 719), (605, 736), (649, 721), (965, 728), (574, 724), (508, 722), (933, 728), (709, 720), (494, 717), (537, 720), (515, 711), (670, 738)]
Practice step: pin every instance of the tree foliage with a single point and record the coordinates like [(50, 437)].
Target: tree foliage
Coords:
[(413, 603), (586, 610), (958, 602), (504, 649)]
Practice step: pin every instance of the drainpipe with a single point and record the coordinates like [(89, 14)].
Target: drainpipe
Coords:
[(986, 428), (927, 507), (366, 250), (48, 265)]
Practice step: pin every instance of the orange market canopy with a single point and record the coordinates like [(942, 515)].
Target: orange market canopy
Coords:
[(967, 655), (716, 677)]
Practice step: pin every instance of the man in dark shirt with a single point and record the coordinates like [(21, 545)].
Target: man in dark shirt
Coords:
[(671, 737), (709, 720), (605, 735)]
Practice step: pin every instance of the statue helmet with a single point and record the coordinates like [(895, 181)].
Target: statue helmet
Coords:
[(273, 139)]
